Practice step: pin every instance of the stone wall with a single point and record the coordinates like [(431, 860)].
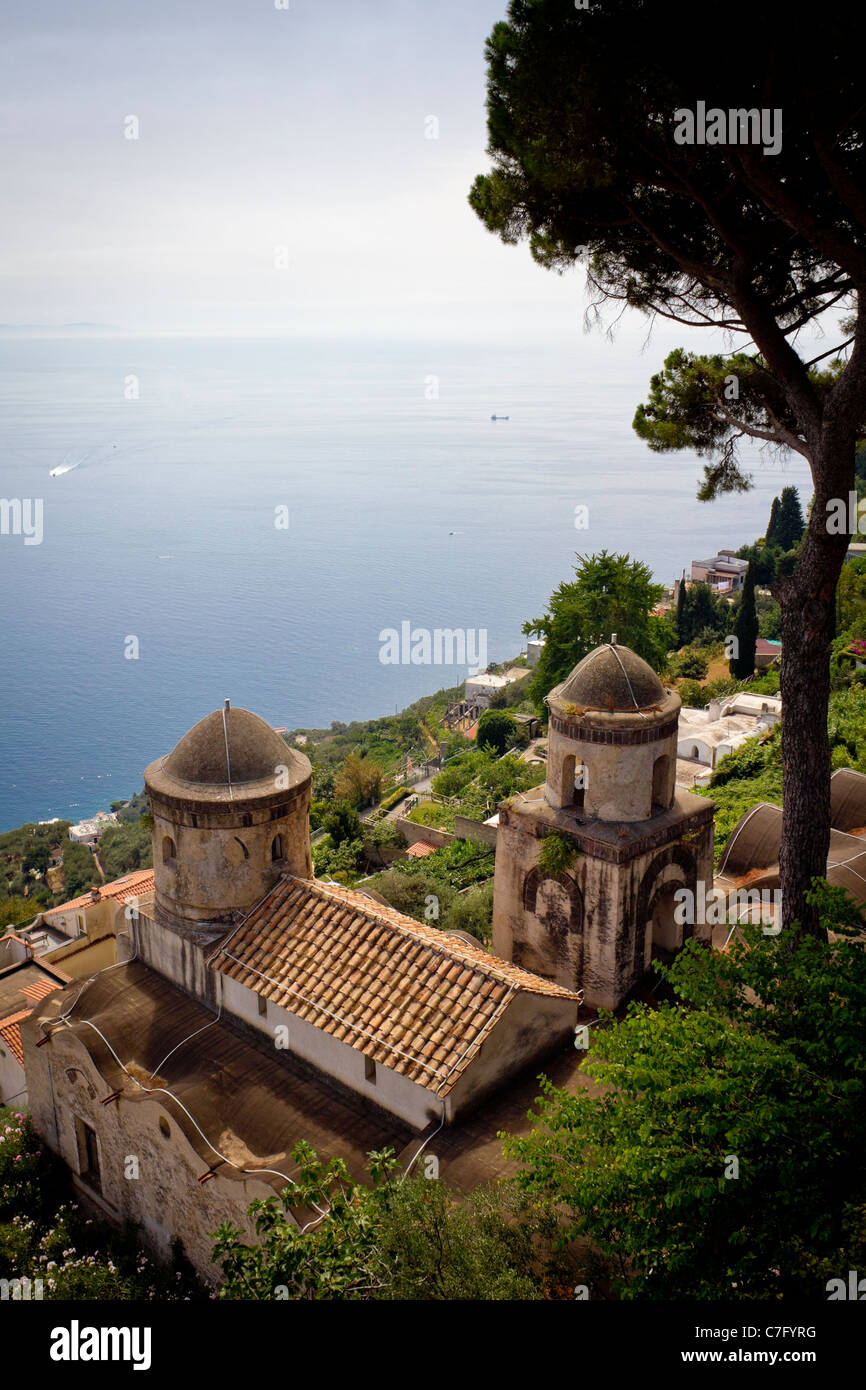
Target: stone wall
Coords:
[(594, 928), (165, 1199), (466, 829), (425, 834)]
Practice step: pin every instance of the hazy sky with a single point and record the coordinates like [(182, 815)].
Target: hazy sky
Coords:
[(259, 128)]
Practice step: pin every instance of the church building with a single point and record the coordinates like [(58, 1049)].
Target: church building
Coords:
[(253, 1006)]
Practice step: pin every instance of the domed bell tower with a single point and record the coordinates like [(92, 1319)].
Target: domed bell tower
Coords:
[(230, 810), (632, 837)]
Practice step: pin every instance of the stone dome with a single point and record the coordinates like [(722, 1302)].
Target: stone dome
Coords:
[(611, 679), (229, 751)]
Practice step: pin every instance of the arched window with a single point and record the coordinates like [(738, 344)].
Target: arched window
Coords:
[(243, 847), (567, 783), (661, 788), (277, 847), (580, 783), (169, 850)]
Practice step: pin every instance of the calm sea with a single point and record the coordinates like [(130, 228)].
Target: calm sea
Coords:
[(405, 502)]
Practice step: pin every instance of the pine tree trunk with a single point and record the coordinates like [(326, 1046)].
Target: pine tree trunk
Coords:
[(808, 608)]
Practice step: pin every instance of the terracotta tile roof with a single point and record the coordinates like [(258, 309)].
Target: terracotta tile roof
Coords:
[(405, 994), (130, 886), (39, 989), (10, 1034), (420, 850)]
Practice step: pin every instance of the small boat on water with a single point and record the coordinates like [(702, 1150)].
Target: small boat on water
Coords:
[(500, 417)]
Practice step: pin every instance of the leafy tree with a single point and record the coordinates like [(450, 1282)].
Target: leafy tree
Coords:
[(496, 730), (79, 868), (408, 728), (358, 780), (343, 861), (395, 1239), (851, 598), (423, 895), (610, 593), (382, 835), (472, 912), (458, 773), (593, 161), (16, 910), (702, 612), (692, 665), (36, 860), (342, 823), (126, 847), (769, 616), (496, 779), (693, 695), (764, 560), (742, 663), (725, 1141)]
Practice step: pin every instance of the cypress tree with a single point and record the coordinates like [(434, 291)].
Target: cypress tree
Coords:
[(682, 637), (791, 521), (742, 665), (772, 536)]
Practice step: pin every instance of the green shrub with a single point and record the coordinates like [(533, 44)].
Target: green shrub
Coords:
[(692, 695), (557, 855)]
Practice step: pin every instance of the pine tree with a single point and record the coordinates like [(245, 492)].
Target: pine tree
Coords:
[(742, 664)]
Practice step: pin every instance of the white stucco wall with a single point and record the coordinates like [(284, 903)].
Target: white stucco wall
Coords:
[(13, 1085), (402, 1097)]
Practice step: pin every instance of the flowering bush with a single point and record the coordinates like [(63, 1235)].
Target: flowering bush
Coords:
[(46, 1236), (25, 1169)]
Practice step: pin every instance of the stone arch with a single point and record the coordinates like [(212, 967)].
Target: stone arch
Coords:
[(277, 848), (169, 849), (655, 894), (551, 940), (535, 879), (566, 780), (573, 780)]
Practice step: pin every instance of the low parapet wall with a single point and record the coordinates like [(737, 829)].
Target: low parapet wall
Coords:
[(478, 830)]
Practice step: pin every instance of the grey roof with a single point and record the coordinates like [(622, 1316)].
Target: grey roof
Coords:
[(848, 799), (721, 561), (231, 1093), (612, 678), (231, 747)]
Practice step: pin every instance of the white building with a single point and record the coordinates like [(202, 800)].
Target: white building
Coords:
[(707, 735), (479, 690), (725, 573), (87, 832)]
